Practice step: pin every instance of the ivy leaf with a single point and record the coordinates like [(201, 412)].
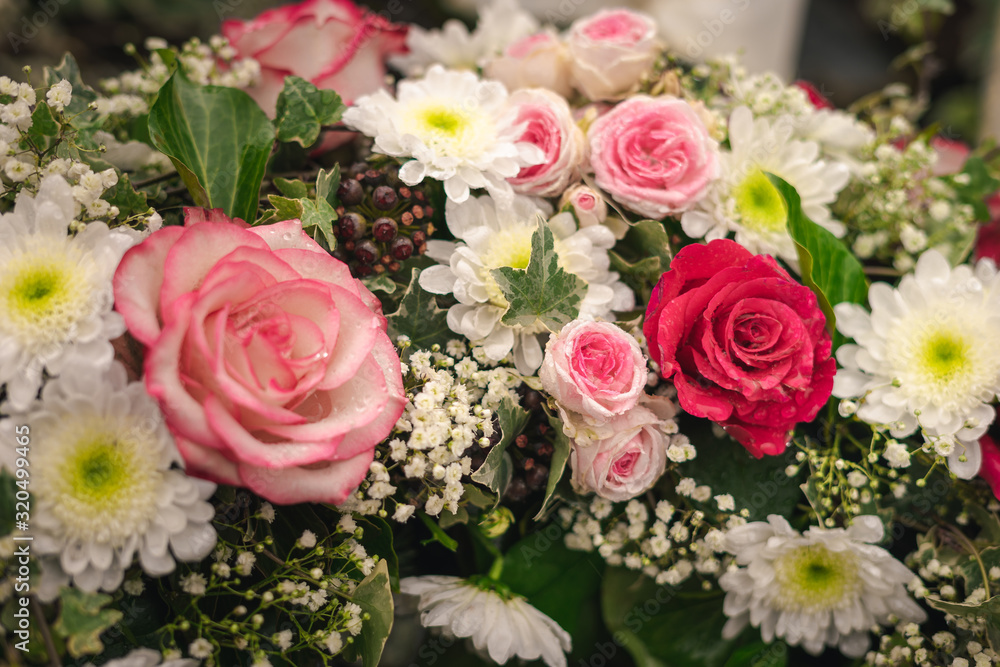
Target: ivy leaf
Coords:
[(130, 202), (543, 292), (380, 282), (293, 189), (285, 208), (560, 455), (44, 127), (219, 140), (826, 265), (327, 183), (419, 317), (317, 214), (78, 110), (497, 470), (82, 619), (303, 109), (374, 596)]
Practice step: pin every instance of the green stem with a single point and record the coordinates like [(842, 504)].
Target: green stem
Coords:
[(496, 569)]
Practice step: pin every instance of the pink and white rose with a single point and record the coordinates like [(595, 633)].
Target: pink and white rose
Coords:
[(270, 363), (610, 51), (545, 121), (654, 155), (630, 459), (588, 205), (536, 61), (594, 369), (334, 44)]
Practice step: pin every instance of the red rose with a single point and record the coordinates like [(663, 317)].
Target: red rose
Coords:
[(816, 98), (746, 345), (988, 238), (990, 468)]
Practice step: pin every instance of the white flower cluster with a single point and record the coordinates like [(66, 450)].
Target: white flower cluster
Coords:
[(666, 542), (451, 401), (214, 63)]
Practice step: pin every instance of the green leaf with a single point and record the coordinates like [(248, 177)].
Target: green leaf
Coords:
[(380, 282), (450, 519), (971, 572), (543, 292), (419, 317), (44, 126), (760, 485), (374, 596), (660, 625), (327, 183), (293, 189), (218, 139), (303, 109), (317, 214), (82, 619), (378, 539), (475, 495), (556, 580), (129, 201), (827, 266), (285, 208), (78, 109), (980, 186), (497, 470), (437, 533), (651, 237), (560, 455), (760, 654)]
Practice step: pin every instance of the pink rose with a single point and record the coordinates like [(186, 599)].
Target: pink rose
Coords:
[(950, 156), (332, 43), (746, 346), (546, 121), (270, 362), (537, 61), (594, 369), (588, 205), (630, 459), (654, 155), (610, 51)]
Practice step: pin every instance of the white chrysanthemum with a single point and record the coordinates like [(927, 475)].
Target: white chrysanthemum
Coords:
[(928, 355), (55, 290), (457, 128), (147, 657), (500, 625), (493, 236), (103, 484), (820, 588), (501, 23), (745, 201)]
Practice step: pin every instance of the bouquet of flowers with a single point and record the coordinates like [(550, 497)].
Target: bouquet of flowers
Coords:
[(335, 340)]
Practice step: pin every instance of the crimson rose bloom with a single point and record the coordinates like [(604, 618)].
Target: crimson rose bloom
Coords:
[(746, 345)]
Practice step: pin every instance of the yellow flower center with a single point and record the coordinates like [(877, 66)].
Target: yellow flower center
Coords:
[(455, 130), (813, 578), (761, 207), (45, 292), (99, 476)]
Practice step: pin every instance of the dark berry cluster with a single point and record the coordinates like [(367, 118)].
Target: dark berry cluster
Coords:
[(383, 222)]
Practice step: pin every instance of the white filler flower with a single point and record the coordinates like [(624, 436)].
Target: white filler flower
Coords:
[(103, 483), (492, 236), (820, 588), (55, 290), (928, 355), (457, 128), (147, 657), (500, 625), (745, 201)]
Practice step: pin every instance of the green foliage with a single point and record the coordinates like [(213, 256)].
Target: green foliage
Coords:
[(557, 466), (380, 282), (497, 471), (543, 292), (660, 625), (980, 186), (827, 266), (218, 139), (129, 201), (78, 109), (419, 317), (44, 127), (293, 189), (759, 654), (374, 596), (437, 533), (303, 109), (556, 580), (82, 619)]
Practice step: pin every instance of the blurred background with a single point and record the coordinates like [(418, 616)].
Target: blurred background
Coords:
[(846, 48)]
